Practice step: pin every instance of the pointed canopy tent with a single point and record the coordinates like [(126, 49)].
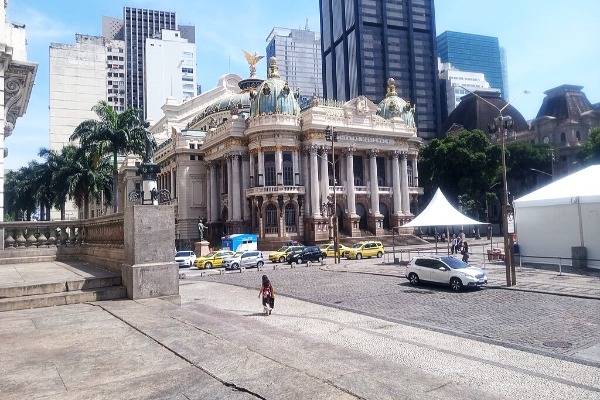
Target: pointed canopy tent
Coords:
[(440, 212)]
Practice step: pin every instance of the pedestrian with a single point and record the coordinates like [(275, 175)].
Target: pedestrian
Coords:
[(453, 244), (465, 252), (268, 295)]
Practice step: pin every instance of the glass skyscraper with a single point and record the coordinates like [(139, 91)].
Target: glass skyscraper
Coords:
[(365, 42), (474, 53)]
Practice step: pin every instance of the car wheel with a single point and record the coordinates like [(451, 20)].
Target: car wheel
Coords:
[(379, 254), (208, 265), (320, 259), (281, 259), (456, 284), (235, 266), (299, 261), (359, 256), (259, 264), (413, 278)]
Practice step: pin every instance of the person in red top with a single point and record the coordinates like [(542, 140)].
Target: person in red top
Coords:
[(268, 295)]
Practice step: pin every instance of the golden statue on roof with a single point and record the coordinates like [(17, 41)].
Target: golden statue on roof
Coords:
[(252, 59)]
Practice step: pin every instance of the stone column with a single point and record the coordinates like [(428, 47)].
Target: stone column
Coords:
[(278, 165), (324, 176), (314, 183), (230, 187), (295, 168), (372, 154), (261, 168), (415, 172), (209, 190), (396, 183), (215, 206), (350, 195), (404, 179), (305, 181), (245, 184), (235, 206), (172, 184), (252, 173)]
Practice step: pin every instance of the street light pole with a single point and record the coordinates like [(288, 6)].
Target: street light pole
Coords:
[(502, 125)]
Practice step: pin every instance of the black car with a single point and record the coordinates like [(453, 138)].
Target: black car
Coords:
[(310, 253)]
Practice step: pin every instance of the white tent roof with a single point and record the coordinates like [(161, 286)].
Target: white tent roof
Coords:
[(441, 213), (582, 186)]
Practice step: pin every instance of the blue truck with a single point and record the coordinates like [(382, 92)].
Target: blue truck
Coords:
[(239, 242)]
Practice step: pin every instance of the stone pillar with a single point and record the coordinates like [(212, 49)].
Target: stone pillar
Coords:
[(149, 269), (415, 172), (245, 185), (252, 172), (235, 207), (324, 176), (350, 194), (404, 189), (372, 154), (261, 168), (396, 183), (278, 165), (209, 190), (295, 168), (306, 182), (314, 183), (172, 184), (229, 187)]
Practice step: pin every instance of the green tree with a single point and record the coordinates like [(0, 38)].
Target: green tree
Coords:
[(113, 133), (590, 150), (21, 195), (60, 163), (464, 165), (523, 163)]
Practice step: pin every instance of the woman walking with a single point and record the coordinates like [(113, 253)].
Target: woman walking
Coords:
[(465, 252), (268, 295)]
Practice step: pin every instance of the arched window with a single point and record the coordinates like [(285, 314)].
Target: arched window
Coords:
[(271, 219), (290, 217), (563, 137)]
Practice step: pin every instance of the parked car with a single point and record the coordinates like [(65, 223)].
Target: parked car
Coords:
[(213, 259), (245, 259), (185, 258), (281, 254), (328, 250), (310, 253), (445, 270), (365, 249)]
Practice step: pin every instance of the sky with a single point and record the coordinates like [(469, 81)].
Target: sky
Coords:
[(548, 43)]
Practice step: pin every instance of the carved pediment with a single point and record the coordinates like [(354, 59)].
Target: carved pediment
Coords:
[(360, 106)]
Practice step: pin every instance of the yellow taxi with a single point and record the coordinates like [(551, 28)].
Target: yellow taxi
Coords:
[(328, 251), (281, 254), (364, 249), (213, 259)]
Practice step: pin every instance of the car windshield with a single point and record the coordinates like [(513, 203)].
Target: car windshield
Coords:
[(211, 254), (455, 263), (284, 248), (238, 254), (357, 246), (182, 254), (323, 246), (293, 248)]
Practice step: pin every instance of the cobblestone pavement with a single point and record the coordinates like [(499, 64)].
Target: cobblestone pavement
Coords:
[(538, 322)]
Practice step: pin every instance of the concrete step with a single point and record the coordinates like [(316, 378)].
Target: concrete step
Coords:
[(32, 289), (63, 298)]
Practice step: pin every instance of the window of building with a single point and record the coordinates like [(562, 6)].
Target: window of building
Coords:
[(270, 175), (192, 157), (271, 216), (578, 136), (563, 137), (290, 215), (192, 146)]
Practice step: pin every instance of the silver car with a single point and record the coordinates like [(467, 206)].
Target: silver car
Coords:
[(245, 259), (185, 258), (446, 270)]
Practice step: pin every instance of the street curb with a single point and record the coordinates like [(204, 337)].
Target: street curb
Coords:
[(576, 295)]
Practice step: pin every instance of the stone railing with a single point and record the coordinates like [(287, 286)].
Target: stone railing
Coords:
[(98, 241), (265, 190)]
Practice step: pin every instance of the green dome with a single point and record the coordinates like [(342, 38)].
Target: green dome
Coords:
[(392, 105), (273, 96)]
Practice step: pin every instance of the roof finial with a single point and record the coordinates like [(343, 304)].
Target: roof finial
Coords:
[(391, 89), (252, 60), (273, 69)]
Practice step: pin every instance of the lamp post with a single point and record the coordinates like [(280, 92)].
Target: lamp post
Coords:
[(332, 136), (502, 125)]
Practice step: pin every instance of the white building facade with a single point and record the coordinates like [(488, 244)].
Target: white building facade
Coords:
[(256, 163), (16, 82), (170, 67), (452, 79)]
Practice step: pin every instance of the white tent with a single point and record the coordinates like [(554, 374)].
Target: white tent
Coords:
[(561, 215), (440, 212)]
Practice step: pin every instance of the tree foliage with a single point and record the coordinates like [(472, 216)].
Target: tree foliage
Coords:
[(590, 150)]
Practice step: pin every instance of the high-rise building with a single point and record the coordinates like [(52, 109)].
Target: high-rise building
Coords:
[(365, 42), (474, 53), (136, 26), (454, 84), (298, 54), (170, 65)]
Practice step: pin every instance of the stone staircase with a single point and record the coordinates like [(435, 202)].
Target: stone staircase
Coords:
[(48, 294)]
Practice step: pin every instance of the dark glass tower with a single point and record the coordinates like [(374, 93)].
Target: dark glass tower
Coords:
[(474, 53), (365, 42)]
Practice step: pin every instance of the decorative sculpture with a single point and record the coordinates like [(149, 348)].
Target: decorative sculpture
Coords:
[(252, 59)]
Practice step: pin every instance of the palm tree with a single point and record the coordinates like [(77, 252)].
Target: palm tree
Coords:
[(60, 164), (113, 134), (21, 195)]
